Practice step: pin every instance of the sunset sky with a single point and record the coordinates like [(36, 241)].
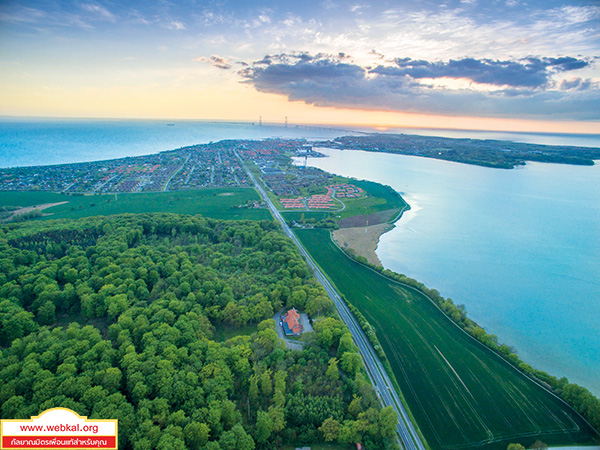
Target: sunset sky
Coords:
[(513, 65)]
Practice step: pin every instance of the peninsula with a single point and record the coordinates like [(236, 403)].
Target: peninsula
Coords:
[(441, 363)]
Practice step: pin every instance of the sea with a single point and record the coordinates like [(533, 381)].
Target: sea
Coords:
[(519, 248), (36, 142)]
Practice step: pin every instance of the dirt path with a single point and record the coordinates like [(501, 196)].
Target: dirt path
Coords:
[(28, 209), (38, 207), (363, 240)]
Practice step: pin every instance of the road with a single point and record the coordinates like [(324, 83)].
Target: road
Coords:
[(379, 378), (178, 170)]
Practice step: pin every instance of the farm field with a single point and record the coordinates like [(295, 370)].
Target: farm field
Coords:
[(218, 203), (462, 395)]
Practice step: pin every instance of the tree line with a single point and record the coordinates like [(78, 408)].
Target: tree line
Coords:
[(115, 318), (578, 397)]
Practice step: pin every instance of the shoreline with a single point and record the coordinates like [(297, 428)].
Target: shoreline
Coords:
[(365, 240)]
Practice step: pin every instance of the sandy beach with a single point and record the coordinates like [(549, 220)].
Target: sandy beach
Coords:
[(363, 240)]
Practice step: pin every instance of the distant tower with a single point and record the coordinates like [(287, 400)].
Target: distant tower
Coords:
[(286, 121), (305, 160), (260, 121)]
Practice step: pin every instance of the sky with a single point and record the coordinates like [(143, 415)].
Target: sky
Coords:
[(473, 64)]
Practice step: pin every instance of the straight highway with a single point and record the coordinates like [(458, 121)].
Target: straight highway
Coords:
[(388, 396)]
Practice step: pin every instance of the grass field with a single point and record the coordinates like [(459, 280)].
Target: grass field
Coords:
[(297, 215), (27, 198), (219, 203), (463, 395), (380, 199)]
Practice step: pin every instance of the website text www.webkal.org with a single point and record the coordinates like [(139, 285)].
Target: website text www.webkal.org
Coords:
[(58, 428)]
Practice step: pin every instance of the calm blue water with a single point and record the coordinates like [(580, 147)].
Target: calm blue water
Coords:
[(27, 142), (520, 248), (42, 142)]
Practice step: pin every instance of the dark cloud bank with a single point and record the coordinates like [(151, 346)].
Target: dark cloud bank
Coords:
[(524, 88)]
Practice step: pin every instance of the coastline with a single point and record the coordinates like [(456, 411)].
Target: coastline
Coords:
[(365, 240)]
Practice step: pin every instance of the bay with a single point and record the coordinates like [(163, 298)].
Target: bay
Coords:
[(520, 248)]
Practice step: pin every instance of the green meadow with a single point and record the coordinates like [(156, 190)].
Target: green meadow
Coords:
[(218, 203), (30, 198), (307, 215), (381, 204), (462, 395)]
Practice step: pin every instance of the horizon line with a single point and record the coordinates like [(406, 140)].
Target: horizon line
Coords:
[(334, 126)]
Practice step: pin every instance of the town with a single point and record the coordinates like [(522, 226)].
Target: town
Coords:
[(219, 164)]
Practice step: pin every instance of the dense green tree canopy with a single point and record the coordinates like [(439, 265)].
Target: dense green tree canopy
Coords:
[(123, 318)]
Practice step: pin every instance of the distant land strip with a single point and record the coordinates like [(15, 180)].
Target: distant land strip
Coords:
[(481, 152)]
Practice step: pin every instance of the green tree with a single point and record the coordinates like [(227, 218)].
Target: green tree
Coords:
[(253, 389), (515, 447), (196, 434), (266, 384), (46, 313), (279, 394), (333, 372), (15, 322), (317, 304), (331, 429), (236, 439), (170, 442), (346, 344), (264, 426), (351, 363), (116, 305), (112, 379), (388, 421), (278, 418), (355, 406)]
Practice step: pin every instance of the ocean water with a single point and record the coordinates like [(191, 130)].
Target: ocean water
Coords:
[(519, 248), (34, 142)]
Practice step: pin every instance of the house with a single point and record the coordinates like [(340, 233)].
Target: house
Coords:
[(290, 322)]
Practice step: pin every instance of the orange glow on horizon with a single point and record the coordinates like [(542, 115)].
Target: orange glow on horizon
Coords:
[(242, 103)]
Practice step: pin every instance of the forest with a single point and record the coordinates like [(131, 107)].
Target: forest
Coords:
[(115, 318)]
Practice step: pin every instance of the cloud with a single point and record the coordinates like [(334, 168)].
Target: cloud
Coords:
[(22, 15), (376, 53), (41, 19), (176, 25), (99, 11), (528, 73), (575, 14), (216, 61), (522, 88), (575, 84)]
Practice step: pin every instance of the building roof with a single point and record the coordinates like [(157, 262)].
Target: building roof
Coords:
[(291, 322)]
